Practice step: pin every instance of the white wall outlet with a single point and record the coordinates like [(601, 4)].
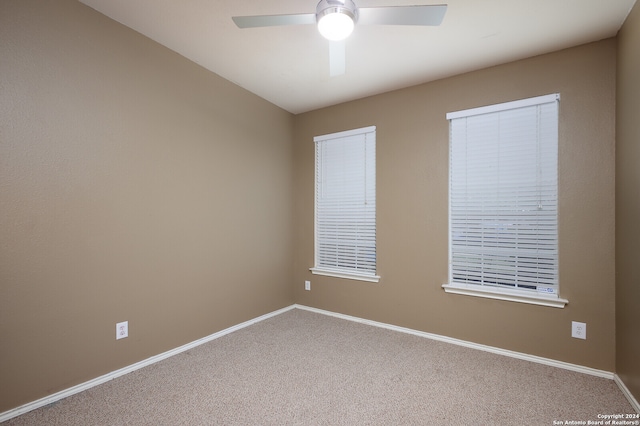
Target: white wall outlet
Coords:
[(307, 285), (122, 330), (578, 330)]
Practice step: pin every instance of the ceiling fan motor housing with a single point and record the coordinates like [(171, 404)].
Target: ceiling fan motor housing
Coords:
[(345, 7)]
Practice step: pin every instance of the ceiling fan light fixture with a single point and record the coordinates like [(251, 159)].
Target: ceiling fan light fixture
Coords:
[(336, 19)]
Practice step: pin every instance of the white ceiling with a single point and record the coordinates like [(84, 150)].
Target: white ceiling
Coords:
[(289, 66)]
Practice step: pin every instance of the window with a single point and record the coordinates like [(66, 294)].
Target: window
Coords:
[(345, 205), (503, 201)]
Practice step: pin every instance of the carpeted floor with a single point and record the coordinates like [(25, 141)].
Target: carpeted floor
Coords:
[(304, 368)]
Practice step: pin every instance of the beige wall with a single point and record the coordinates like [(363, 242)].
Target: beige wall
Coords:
[(134, 185), (412, 179), (628, 204)]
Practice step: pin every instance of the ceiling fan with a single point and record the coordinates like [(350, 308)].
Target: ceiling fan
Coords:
[(336, 20)]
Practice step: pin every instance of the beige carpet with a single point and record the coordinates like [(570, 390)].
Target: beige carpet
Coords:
[(304, 368)]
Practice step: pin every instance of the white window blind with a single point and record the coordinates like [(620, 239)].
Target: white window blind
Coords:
[(503, 196), (345, 204)]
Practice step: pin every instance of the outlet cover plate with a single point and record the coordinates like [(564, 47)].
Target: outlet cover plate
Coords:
[(578, 330), (307, 285), (122, 330)]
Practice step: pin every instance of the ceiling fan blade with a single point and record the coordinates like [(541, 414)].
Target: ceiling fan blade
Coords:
[(402, 15), (337, 58), (274, 20)]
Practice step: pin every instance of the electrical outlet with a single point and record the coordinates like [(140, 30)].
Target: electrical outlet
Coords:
[(122, 330), (307, 285), (578, 330)]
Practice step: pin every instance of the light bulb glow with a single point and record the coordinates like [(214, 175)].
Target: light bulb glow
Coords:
[(335, 26)]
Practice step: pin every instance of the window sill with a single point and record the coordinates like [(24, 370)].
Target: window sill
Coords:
[(347, 275), (504, 294)]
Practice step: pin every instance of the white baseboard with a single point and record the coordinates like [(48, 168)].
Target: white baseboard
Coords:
[(133, 367), (114, 374), (513, 354), (625, 390), (505, 352)]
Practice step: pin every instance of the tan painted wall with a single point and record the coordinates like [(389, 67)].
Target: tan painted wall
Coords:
[(412, 179), (134, 185), (628, 204)]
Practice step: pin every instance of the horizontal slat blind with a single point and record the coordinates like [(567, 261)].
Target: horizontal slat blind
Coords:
[(346, 202), (503, 198)]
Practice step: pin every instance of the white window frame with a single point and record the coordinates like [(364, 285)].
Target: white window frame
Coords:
[(482, 276), (346, 252)]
